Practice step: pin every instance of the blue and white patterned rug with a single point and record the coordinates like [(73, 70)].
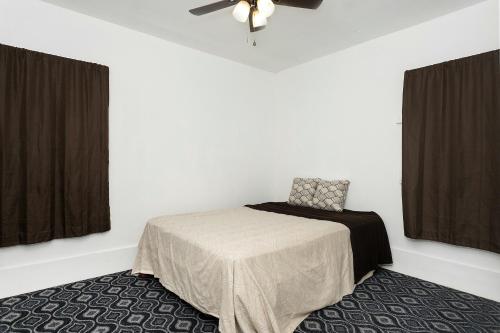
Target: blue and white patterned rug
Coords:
[(120, 302)]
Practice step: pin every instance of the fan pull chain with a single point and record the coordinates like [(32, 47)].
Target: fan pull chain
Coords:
[(251, 41)]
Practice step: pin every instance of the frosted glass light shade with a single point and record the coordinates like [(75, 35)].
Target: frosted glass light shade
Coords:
[(258, 19), (241, 11), (266, 7)]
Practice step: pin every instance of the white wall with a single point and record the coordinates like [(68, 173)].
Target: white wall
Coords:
[(183, 136), (336, 117)]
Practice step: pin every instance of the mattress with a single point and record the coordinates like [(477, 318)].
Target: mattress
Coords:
[(257, 271)]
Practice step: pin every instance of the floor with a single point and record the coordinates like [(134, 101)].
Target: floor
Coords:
[(120, 302)]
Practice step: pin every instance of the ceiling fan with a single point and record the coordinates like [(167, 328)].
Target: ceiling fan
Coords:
[(255, 12)]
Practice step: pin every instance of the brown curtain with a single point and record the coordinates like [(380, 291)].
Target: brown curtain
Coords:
[(451, 152), (53, 147)]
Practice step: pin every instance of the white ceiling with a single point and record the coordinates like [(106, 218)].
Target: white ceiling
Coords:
[(293, 36)]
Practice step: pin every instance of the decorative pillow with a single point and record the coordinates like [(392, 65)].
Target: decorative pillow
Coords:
[(331, 195), (303, 190)]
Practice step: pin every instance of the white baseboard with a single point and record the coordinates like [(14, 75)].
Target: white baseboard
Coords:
[(19, 279), (30, 277), (475, 280)]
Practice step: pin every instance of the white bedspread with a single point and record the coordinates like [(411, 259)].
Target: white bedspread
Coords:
[(254, 270)]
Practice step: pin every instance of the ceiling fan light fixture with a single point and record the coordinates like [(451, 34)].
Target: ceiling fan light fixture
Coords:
[(258, 19), (241, 11), (255, 12), (266, 7)]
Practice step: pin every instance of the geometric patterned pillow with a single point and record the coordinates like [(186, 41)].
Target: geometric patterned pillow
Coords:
[(303, 190), (331, 195)]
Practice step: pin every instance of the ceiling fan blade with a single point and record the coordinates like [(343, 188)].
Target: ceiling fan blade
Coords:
[(308, 4), (212, 7)]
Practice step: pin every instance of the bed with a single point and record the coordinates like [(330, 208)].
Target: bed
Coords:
[(262, 268)]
